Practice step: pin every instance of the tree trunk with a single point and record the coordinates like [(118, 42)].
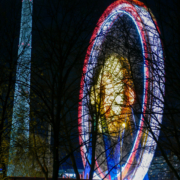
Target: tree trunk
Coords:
[(55, 157), (46, 175), (71, 151), (94, 138)]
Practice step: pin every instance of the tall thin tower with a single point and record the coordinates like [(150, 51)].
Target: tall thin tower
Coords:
[(21, 108)]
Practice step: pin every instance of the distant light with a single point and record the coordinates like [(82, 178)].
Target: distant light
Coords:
[(124, 125)]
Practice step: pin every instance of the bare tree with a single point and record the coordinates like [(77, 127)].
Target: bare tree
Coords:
[(10, 18), (60, 36), (61, 33)]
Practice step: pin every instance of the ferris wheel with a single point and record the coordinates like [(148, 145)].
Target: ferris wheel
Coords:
[(122, 82)]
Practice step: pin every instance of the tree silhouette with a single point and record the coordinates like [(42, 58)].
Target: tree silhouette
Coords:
[(10, 19)]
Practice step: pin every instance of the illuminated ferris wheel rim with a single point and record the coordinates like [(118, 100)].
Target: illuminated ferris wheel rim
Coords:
[(137, 12)]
